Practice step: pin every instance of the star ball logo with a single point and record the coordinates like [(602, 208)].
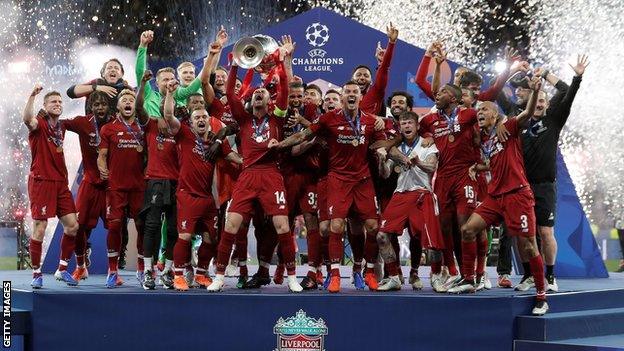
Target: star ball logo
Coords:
[(300, 333), (317, 36)]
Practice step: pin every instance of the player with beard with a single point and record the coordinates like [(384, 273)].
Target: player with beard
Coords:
[(91, 198), (510, 196), (300, 174), (197, 211), (348, 133), (260, 179), (413, 203), (47, 183), (111, 83), (120, 161), (539, 146), (373, 95)]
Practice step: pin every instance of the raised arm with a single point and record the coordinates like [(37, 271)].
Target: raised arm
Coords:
[(80, 90), (169, 108), (535, 84), (381, 78), (562, 111), (207, 89), (238, 110), (492, 92), (28, 116), (140, 110), (141, 60), (287, 40), (423, 69), (440, 57)]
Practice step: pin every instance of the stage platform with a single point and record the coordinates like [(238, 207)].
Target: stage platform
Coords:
[(92, 317)]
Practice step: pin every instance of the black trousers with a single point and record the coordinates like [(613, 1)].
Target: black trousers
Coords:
[(159, 203)]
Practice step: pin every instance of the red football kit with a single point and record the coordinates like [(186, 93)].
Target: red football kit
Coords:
[(349, 183), (509, 195), (197, 210), (91, 198), (48, 190), (453, 136), (125, 144), (162, 160), (260, 179)]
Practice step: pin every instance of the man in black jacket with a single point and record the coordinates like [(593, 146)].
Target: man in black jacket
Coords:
[(539, 143)]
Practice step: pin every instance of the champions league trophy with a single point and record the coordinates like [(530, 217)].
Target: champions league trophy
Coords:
[(257, 52)]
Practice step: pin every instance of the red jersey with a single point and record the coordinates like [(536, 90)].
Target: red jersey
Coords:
[(348, 142), (506, 161), (89, 131), (125, 162), (456, 146), (195, 170), (255, 132), (162, 153), (372, 101), (308, 161), (222, 112), (46, 148)]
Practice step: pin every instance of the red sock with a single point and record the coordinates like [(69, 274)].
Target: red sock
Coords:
[(204, 255), (35, 253), (287, 248), (224, 250), (393, 268), (68, 243), (469, 258), (242, 270), (314, 248), (335, 248), (181, 255), (537, 269), (447, 254), (325, 249), (482, 247), (371, 249), (81, 246), (113, 243), (335, 272)]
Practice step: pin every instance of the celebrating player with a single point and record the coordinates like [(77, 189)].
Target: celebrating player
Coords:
[(47, 183)]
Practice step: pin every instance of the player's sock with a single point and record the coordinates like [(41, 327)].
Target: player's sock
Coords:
[(415, 248), (393, 268), (204, 255), (357, 266), (181, 255), (168, 264), (357, 243), (482, 247), (314, 248), (335, 248), (35, 253), (469, 258), (263, 268), (335, 270), (139, 246), (81, 246), (147, 264), (550, 270), (371, 249), (113, 243), (224, 250), (449, 261), (68, 243), (537, 269), (242, 268), (436, 267), (287, 247)]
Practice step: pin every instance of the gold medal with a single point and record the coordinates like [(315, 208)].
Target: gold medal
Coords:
[(258, 139), (160, 146), (451, 138), (355, 142), (139, 148), (59, 149), (398, 169)]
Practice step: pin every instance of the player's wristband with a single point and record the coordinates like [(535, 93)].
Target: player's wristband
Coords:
[(219, 141), (279, 112)]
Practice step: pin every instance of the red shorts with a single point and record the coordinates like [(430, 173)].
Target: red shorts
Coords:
[(49, 198), (321, 199), (196, 214), (91, 203), (226, 179), (118, 201), (419, 210), (481, 186), (515, 208), (263, 185), (300, 193), (342, 196), (456, 194)]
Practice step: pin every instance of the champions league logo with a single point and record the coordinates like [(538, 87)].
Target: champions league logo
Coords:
[(317, 35), (300, 333)]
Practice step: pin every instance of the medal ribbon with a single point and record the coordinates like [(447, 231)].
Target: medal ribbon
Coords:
[(355, 126), (258, 130), (488, 146), (56, 133), (407, 151), (128, 126), (450, 120)]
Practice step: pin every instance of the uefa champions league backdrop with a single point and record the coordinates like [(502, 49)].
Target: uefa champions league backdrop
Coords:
[(328, 47)]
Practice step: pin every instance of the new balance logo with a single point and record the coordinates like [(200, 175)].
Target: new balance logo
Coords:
[(551, 217), (183, 224), (331, 209), (44, 209), (154, 198)]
